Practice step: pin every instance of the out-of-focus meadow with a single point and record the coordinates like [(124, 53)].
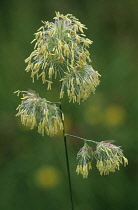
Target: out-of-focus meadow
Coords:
[(33, 173)]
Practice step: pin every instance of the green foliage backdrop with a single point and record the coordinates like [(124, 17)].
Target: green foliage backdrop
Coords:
[(32, 168)]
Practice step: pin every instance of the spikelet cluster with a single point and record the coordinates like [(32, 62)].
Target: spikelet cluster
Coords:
[(84, 156), (36, 111), (80, 83), (109, 157), (61, 49)]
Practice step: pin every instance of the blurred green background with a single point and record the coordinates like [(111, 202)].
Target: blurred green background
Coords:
[(33, 173)]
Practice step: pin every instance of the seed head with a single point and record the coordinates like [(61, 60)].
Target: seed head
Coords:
[(80, 83), (84, 156), (109, 157), (61, 50), (36, 111)]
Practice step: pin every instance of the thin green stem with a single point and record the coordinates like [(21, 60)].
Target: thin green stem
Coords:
[(54, 102), (67, 161), (96, 142)]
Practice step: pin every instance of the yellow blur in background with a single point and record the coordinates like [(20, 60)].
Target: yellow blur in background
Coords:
[(47, 177), (111, 116), (114, 115)]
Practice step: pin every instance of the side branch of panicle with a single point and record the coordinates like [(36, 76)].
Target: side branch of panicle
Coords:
[(36, 111), (108, 157)]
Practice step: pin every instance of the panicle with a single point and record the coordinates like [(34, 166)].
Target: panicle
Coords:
[(36, 111), (61, 50), (84, 157), (109, 157)]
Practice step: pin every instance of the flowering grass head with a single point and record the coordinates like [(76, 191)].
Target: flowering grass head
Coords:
[(84, 156), (61, 50), (36, 111), (109, 157), (80, 83)]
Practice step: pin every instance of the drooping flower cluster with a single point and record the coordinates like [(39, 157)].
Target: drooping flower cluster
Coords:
[(61, 50), (108, 157), (80, 83), (84, 156), (36, 111)]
